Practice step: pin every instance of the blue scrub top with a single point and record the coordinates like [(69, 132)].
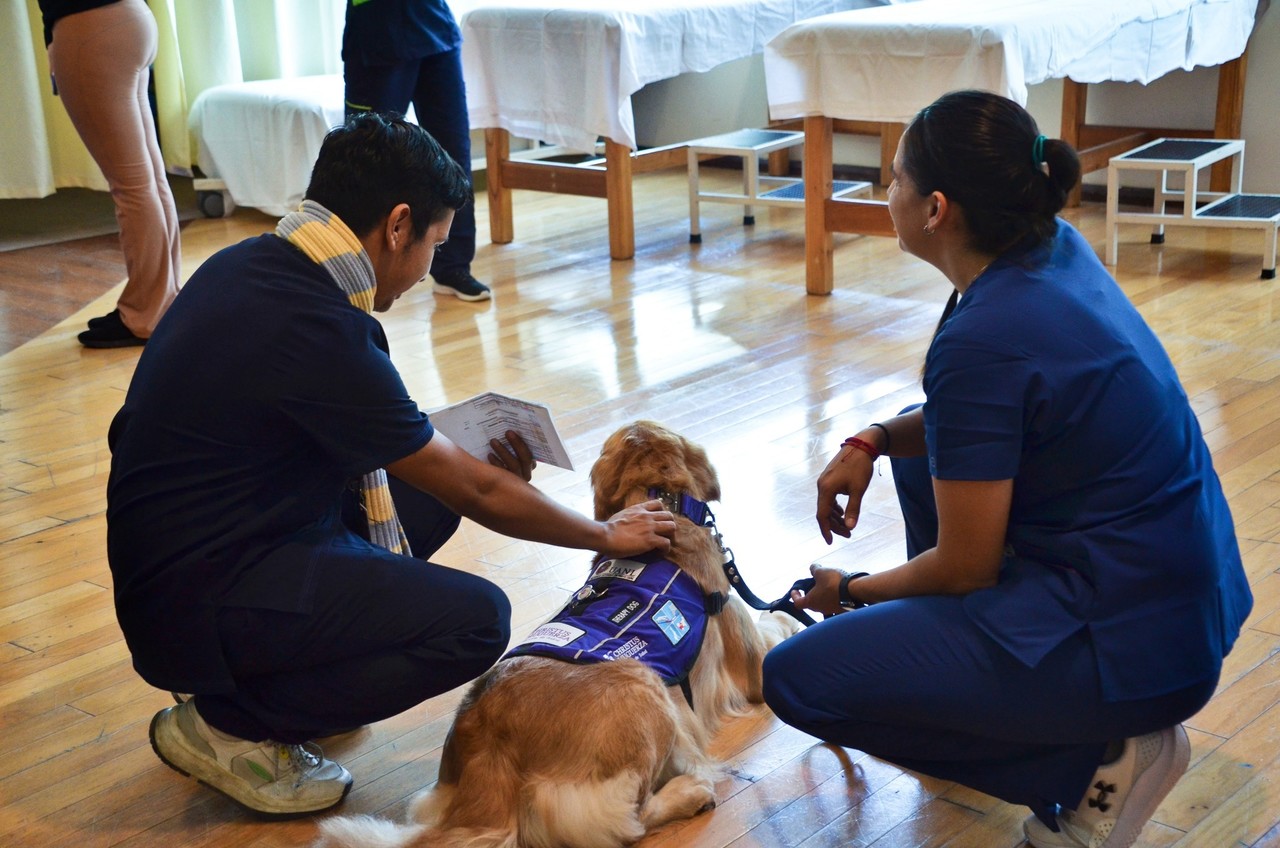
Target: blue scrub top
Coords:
[(1046, 374)]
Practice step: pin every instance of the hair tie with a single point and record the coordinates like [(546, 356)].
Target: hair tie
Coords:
[(1037, 150)]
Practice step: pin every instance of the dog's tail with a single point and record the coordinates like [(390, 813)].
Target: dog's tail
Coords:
[(368, 832), (551, 814), (596, 814)]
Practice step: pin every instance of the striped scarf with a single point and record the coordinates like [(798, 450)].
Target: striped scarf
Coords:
[(328, 242)]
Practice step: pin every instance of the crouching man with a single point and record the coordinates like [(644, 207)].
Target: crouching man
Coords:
[(275, 492)]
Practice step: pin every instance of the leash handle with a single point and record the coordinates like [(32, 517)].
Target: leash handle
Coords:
[(783, 604)]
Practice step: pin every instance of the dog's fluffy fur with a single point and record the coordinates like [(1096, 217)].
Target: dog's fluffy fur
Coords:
[(549, 754)]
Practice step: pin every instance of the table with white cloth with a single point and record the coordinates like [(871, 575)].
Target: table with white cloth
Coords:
[(261, 138), (884, 64), (564, 71)]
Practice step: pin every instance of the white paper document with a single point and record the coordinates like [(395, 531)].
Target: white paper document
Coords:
[(473, 422)]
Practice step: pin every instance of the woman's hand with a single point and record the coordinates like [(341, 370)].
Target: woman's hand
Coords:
[(640, 528), (847, 474), (824, 597), (521, 462)]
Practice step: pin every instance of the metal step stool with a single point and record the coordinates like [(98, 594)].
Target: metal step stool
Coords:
[(749, 145), (1187, 157)]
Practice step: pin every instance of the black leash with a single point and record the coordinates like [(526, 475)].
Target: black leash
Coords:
[(700, 513), (783, 604)]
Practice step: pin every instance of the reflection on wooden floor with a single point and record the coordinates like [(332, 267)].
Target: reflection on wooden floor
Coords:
[(718, 341)]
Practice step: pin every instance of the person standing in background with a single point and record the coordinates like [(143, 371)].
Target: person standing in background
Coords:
[(100, 53), (399, 51)]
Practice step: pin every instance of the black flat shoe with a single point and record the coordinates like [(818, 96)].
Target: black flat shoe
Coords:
[(113, 315), (110, 332)]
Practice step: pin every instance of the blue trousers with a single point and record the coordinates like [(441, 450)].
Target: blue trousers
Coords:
[(435, 86), (916, 683), (385, 632)]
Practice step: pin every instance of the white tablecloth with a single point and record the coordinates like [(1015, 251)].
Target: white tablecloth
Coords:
[(885, 64), (564, 71), (261, 138)]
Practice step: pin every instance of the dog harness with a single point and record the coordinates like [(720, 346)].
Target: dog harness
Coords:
[(644, 608)]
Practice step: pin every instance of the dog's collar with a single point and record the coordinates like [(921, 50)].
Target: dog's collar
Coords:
[(685, 504), (700, 514)]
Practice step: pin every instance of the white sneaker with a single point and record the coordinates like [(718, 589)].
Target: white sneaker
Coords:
[(183, 697), (1122, 797), (269, 778)]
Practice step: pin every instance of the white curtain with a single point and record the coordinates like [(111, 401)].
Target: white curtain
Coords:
[(203, 43)]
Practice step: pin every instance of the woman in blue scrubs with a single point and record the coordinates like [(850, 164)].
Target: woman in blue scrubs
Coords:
[(1073, 579)]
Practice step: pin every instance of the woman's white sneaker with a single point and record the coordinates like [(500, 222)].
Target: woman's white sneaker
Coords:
[(268, 778), (1123, 796)]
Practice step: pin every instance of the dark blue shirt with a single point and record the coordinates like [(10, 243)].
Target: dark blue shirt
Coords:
[(383, 32), (261, 397), (1046, 374), (52, 11)]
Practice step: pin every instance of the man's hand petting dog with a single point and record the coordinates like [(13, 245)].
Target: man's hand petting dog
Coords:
[(638, 529)]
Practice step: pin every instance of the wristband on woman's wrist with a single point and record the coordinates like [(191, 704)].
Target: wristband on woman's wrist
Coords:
[(846, 600), (862, 445), (888, 440)]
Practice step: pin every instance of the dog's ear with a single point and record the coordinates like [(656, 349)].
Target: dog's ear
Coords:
[(614, 473), (705, 481), (604, 477)]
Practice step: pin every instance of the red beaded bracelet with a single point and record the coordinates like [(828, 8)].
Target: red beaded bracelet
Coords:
[(862, 445)]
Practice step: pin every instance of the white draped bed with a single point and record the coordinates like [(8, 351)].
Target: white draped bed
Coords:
[(558, 71), (884, 64), (564, 71), (258, 140)]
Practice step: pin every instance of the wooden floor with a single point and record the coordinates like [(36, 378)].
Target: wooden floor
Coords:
[(717, 340)]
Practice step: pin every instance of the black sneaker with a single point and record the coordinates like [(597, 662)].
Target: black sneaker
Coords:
[(462, 286), (110, 332)]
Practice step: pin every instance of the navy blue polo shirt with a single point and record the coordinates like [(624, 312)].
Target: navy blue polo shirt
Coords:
[(261, 397)]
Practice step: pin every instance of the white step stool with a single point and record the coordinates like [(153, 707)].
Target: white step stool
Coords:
[(1188, 157), (749, 146)]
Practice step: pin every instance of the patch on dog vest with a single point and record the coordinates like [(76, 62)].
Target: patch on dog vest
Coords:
[(647, 610)]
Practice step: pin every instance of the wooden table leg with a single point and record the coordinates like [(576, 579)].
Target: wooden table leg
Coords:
[(622, 223), (497, 151), (1075, 98), (818, 260), (1228, 121), (890, 134)]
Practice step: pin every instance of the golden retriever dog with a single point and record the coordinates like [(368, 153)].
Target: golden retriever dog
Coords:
[(545, 753)]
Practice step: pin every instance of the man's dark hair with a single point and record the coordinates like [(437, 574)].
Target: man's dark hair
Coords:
[(374, 162)]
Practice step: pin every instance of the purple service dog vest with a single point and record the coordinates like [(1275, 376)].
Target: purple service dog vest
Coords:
[(645, 609)]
